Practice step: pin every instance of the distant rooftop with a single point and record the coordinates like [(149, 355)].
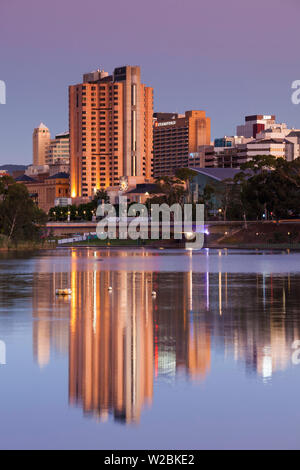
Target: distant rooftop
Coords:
[(25, 179), (62, 135), (267, 141), (42, 126), (294, 133), (144, 188), (218, 174), (61, 175)]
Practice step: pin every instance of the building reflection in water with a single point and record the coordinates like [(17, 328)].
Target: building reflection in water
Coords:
[(259, 320), (119, 341), (50, 317), (111, 343)]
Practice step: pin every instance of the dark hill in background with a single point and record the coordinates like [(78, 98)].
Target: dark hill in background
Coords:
[(11, 168)]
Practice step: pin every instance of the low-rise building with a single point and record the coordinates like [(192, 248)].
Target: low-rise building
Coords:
[(135, 189), (35, 170), (59, 167), (218, 178), (44, 191)]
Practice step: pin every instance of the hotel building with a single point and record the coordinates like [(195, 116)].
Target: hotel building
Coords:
[(110, 119), (177, 141)]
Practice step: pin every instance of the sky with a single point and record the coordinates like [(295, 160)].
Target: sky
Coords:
[(229, 58)]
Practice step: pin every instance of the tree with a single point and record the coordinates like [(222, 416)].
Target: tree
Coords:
[(186, 175), (100, 196), (206, 198), (172, 190), (61, 213), (260, 163), (20, 218), (268, 185)]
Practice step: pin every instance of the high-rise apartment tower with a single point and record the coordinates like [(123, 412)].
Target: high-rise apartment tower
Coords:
[(110, 130)]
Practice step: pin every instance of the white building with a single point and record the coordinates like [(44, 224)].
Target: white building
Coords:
[(58, 150), (255, 124)]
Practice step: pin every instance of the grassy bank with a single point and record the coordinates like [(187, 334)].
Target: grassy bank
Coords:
[(256, 246), (261, 236), (124, 243), (25, 246)]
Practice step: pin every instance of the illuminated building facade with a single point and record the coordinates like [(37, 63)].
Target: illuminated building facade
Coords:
[(178, 141), (110, 120), (111, 343)]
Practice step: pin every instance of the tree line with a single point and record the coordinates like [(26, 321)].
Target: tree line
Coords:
[(264, 188)]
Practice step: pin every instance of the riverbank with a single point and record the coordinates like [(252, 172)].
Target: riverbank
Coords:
[(26, 246), (171, 244), (126, 244), (283, 235), (264, 236), (256, 246)]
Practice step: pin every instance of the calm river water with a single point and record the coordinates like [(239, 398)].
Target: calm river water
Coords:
[(185, 351)]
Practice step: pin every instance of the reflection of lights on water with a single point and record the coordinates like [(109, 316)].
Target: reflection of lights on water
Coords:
[(267, 365), (220, 293), (95, 302), (264, 289), (167, 365), (267, 368), (207, 291), (189, 235), (192, 235)]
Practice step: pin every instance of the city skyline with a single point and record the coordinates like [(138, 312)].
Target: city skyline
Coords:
[(149, 227), (188, 67)]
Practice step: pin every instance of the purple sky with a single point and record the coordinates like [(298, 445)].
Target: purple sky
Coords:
[(229, 58)]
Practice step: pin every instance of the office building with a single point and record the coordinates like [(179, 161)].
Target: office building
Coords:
[(178, 141), (41, 140), (58, 150), (110, 118), (275, 139), (255, 124)]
